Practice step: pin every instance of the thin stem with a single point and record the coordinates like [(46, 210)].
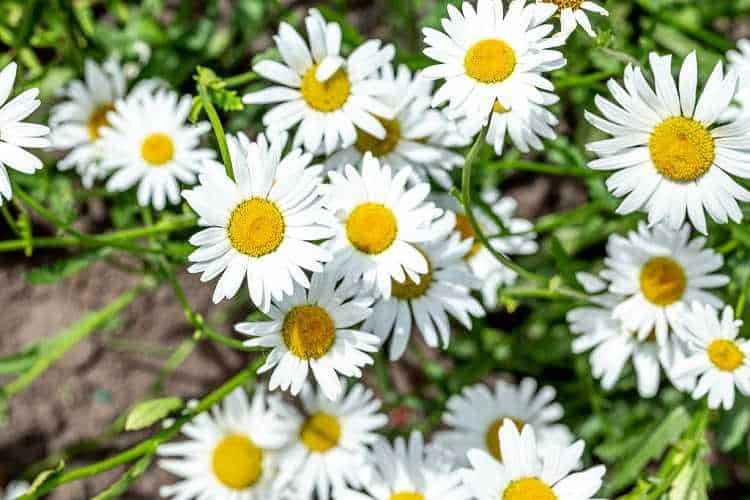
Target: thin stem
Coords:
[(213, 117), (239, 80), (565, 82), (543, 168)]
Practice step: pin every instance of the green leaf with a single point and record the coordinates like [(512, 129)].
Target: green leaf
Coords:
[(64, 268), (21, 361), (42, 478), (734, 426), (123, 483), (692, 482), (227, 100), (149, 412)]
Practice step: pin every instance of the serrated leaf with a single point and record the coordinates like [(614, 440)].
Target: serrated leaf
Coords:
[(64, 268), (123, 483), (227, 100), (149, 412)]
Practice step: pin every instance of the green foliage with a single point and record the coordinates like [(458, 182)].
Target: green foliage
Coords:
[(148, 413)]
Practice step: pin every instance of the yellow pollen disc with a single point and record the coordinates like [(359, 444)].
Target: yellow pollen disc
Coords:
[(157, 149), (567, 4), (464, 228), (237, 462), (366, 142), (492, 437), (499, 108), (682, 149), (256, 227), (326, 96), (408, 289), (725, 355), (308, 332), (98, 119), (663, 281), (490, 61), (407, 495), (528, 488), (371, 228), (321, 432)]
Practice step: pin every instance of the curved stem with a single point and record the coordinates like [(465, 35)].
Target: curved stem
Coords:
[(213, 117)]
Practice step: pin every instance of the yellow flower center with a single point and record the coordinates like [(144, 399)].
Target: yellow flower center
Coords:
[(366, 142), (308, 331), (237, 462), (490, 61), (256, 227), (321, 432), (157, 149), (465, 229), (407, 495), (98, 119), (567, 4), (499, 108), (326, 96), (725, 355), (408, 289), (663, 281), (682, 149), (528, 488), (371, 228), (492, 437)]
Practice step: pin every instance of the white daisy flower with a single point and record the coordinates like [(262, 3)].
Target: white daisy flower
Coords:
[(332, 440), (520, 241), (148, 142), (489, 54), (573, 14), (379, 223), (404, 471), (414, 137), (739, 61), (528, 472), (657, 272), (77, 121), (15, 134), (329, 96), (15, 490), (716, 354), (314, 330), (445, 290), (671, 159), (614, 345), (232, 453), (262, 225), (475, 416)]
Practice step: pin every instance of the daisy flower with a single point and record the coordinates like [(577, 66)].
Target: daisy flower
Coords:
[(528, 472), (148, 142), (232, 453), (445, 290), (657, 272), (15, 134), (672, 159), (573, 14), (314, 330), (739, 61), (612, 345), (77, 121), (414, 137), (330, 97), (491, 54), (331, 443), (475, 416), (405, 471), (15, 490), (379, 223), (262, 225), (520, 241), (716, 354)]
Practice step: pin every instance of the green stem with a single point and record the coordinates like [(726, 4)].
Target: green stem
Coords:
[(543, 168), (239, 80), (213, 117), (565, 82), (544, 293)]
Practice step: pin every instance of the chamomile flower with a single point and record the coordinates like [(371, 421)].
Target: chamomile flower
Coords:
[(573, 13), (529, 472), (739, 61), (329, 96), (657, 272), (314, 330), (379, 224), (717, 355), (520, 240), (406, 471), (612, 345), (15, 134), (15, 490), (475, 416), (77, 121), (414, 137), (443, 292), (672, 158), (231, 453), (491, 54), (262, 225), (148, 142), (332, 440)]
